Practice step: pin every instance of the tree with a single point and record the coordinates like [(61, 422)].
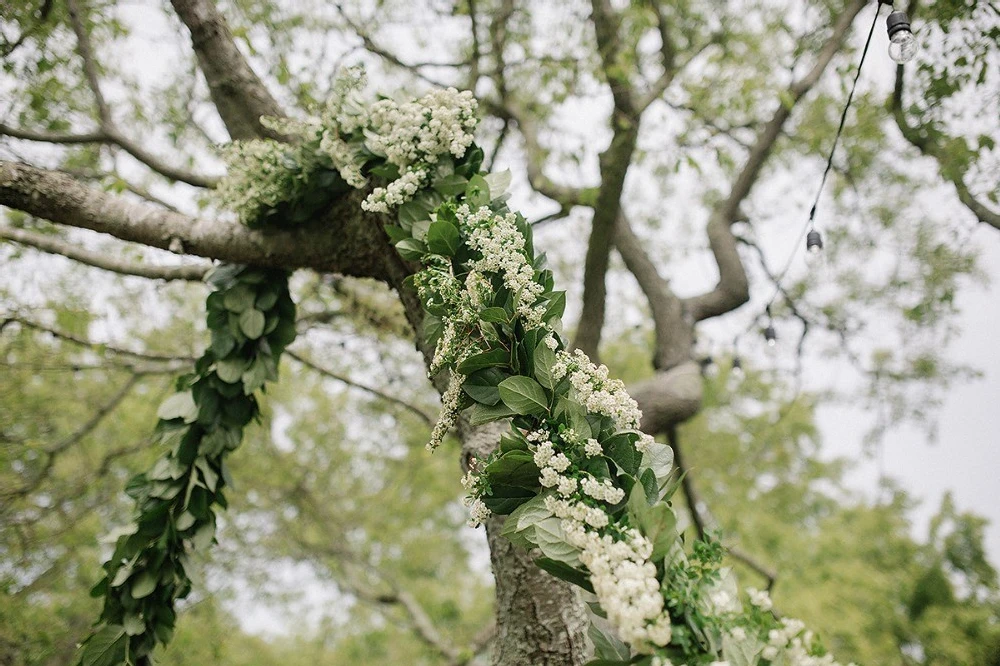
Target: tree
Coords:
[(731, 136)]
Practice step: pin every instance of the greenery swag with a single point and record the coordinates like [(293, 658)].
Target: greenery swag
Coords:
[(580, 484)]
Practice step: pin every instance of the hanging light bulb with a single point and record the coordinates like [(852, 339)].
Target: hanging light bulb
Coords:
[(737, 366), (814, 242), (902, 43), (770, 335)]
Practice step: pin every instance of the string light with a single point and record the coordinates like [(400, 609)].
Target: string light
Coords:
[(902, 48), (902, 43)]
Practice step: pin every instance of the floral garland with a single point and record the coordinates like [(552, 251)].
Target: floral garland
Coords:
[(575, 477)]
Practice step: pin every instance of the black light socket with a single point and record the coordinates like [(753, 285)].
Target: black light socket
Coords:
[(896, 22), (814, 241)]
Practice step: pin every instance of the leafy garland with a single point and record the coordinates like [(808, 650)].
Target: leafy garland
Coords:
[(251, 317), (575, 477)]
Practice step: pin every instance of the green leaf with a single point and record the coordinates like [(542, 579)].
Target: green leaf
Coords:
[(143, 585), (621, 449), (565, 572), (519, 526), (443, 238), (178, 406), (649, 484), (410, 212), (477, 193), (608, 646), (504, 499), (254, 376), (266, 300), (551, 540), (231, 369), (184, 521), (396, 233), (134, 625), (658, 522), (545, 358), (223, 342), (105, 648), (239, 298), (492, 358), (481, 386), (481, 414), (203, 538), (524, 395), (495, 315), (498, 182), (516, 468), (512, 441), (659, 458), (252, 323), (555, 306), (450, 185), (411, 249)]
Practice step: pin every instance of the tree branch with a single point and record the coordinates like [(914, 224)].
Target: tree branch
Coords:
[(108, 132), (52, 452), (100, 260), (312, 365), (614, 163), (674, 336), (733, 289), (926, 140), (238, 93), (97, 346), (696, 504), (346, 241)]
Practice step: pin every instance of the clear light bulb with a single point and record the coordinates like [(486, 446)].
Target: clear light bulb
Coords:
[(902, 47), (902, 43)]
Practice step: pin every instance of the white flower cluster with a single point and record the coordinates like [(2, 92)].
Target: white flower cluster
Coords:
[(345, 113), (624, 579), (596, 391), (413, 136), (625, 583), (449, 411), (792, 643), (501, 244), (398, 192), (478, 511), (760, 598), (438, 123), (258, 177)]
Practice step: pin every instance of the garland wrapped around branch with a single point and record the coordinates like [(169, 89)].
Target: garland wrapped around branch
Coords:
[(580, 484)]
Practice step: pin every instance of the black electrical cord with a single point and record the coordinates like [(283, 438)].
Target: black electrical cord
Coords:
[(826, 172)]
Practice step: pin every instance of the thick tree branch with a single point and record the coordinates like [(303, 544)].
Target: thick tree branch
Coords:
[(733, 289), (101, 260), (614, 163), (929, 143), (606, 22), (674, 335), (345, 242), (238, 93)]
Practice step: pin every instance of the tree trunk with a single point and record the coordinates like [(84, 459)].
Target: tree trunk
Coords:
[(541, 620)]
